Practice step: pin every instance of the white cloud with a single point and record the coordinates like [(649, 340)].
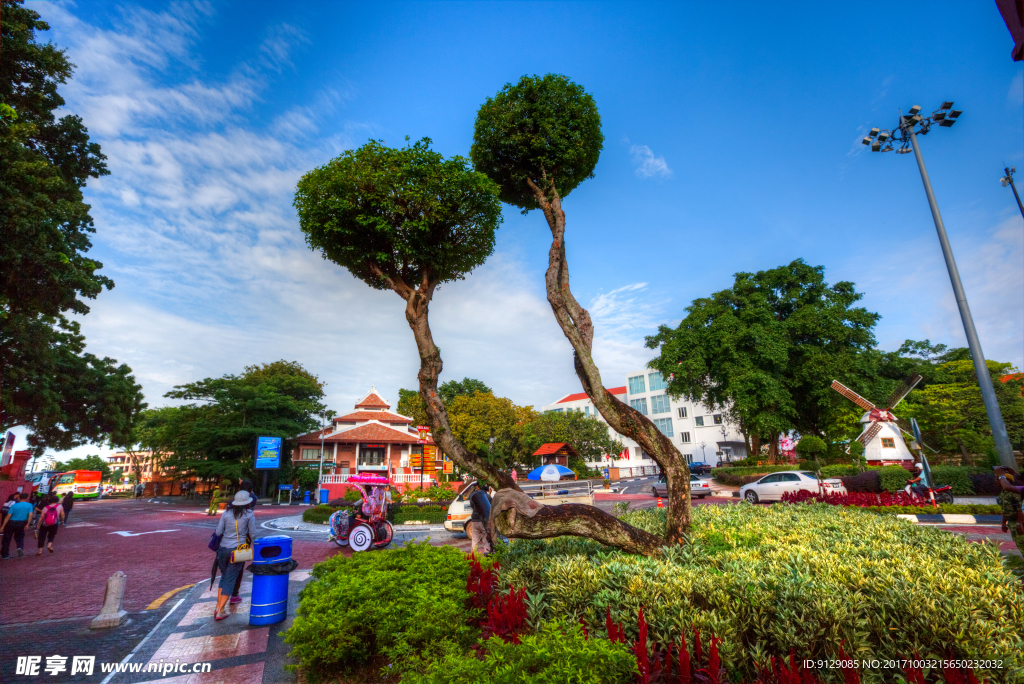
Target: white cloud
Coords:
[(196, 227), (647, 165)]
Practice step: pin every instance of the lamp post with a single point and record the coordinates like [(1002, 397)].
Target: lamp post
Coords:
[(905, 135), (320, 474), (1007, 179)]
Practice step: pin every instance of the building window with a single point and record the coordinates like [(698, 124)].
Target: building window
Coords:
[(554, 411), (636, 385), (888, 443), (681, 411), (310, 454), (371, 457), (684, 437), (656, 381), (717, 418), (665, 425), (639, 404), (660, 404), (698, 421), (636, 452), (586, 410)]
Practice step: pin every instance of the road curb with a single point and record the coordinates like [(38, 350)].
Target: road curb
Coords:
[(953, 519)]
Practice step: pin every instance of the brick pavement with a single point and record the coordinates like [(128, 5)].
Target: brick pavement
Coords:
[(87, 553)]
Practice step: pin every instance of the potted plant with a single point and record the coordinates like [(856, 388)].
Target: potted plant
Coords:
[(607, 483)]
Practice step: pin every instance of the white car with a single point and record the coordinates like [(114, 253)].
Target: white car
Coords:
[(771, 487), (698, 488)]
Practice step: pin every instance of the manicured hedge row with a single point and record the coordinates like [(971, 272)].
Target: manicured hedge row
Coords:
[(318, 514), (966, 481)]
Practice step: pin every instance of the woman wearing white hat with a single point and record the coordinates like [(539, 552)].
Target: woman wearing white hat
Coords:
[(238, 527)]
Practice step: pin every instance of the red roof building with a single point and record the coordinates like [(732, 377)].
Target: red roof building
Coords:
[(556, 453), (370, 440)]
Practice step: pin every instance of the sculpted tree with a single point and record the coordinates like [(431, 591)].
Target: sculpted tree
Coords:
[(409, 220), (539, 139)]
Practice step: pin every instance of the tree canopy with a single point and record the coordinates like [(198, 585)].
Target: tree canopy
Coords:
[(48, 383), (587, 434), (216, 437), (768, 349), (476, 418), (90, 462), (399, 215), (544, 130), (466, 387)]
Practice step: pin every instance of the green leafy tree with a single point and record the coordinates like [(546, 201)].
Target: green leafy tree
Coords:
[(90, 462), (950, 411), (477, 418), (411, 404), (539, 139), (216, 438), (588, 436), (768, 348), (64, 396), (467, 387), (409, 220)]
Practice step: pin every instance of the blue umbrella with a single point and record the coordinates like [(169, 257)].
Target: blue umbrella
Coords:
[(552, 472)]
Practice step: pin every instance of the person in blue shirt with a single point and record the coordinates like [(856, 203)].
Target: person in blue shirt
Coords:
[(14, 526)]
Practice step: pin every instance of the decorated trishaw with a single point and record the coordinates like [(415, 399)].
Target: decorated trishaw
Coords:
[(365, 524)]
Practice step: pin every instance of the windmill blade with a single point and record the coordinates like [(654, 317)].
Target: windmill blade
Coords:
[(852, 396), (902, 391), (907, 429), (870, 433)]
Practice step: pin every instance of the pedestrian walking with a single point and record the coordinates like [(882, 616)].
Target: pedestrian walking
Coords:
[(13, 526), (245, 486), (213, 501), (66, 503), (478, 529), (237, 527), (49, 521), (11, 500), (139, 489)]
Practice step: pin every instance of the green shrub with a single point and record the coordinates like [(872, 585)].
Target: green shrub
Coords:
[(318, 514), (352, 494), (839, 470), (432, 493), (957, 477), (431, 514), (559, 654), (802, 578), (893, 478), (408, 605), (810, 447), (737, 477)]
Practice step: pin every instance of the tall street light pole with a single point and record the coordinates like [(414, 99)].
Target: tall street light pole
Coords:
[(906, 135), (1007, 179)]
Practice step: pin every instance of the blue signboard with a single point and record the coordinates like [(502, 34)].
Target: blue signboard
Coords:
[(284, 487), (268, 453)]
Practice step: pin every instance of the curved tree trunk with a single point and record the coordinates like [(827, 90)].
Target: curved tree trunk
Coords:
[(579, 330), (552, 521)]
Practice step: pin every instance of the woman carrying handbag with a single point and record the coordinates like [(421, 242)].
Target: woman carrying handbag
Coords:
[(237, 528)]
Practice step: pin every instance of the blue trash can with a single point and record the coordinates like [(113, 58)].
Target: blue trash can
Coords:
[(305, 499), (325, 495), (270, 592)]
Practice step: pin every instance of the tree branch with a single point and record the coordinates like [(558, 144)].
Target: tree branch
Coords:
[(578, 328)]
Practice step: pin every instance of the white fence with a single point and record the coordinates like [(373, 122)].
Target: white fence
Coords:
[(639, 471), (403, 478)]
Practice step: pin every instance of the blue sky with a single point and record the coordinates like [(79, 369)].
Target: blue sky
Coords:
[(732, 144)]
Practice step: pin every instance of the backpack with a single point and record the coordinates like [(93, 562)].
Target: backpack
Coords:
[(50, 514)]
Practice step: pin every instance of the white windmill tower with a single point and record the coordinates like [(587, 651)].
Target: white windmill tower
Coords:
[(883, 443)]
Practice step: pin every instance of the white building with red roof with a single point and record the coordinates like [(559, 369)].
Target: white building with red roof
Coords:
[(370, 440), (699, 433)]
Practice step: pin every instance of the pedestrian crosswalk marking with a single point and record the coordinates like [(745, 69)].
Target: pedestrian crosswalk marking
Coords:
[(136, 534)]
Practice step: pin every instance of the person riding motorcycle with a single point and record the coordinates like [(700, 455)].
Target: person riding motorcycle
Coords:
[(917, 485)]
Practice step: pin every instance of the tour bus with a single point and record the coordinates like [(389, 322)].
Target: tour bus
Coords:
[(42, 480), (83, 484)]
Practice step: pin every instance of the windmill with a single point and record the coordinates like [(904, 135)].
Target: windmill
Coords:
[(881, 434)]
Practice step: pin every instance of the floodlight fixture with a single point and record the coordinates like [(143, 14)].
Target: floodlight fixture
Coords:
[(873, 132), (1008, 180), (883, 136), (866, 141), (905, 135)]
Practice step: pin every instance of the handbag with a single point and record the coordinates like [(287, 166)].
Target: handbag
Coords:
[(215, 541), (243, 552)]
